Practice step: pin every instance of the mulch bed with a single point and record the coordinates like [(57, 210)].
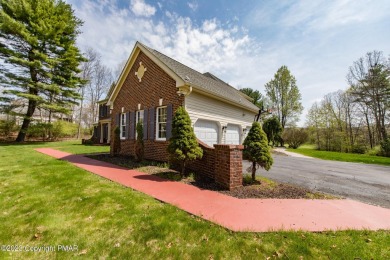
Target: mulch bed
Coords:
[(266, 189)]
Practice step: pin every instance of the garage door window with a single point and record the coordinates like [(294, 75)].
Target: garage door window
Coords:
[(161, 123)]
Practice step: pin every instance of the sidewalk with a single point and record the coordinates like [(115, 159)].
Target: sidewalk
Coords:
[(255, 215)]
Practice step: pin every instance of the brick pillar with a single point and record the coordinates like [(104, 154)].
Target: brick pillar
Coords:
[(228, 165)]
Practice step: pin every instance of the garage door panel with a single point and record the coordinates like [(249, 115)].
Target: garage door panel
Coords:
[(206, 131), (232, 135)]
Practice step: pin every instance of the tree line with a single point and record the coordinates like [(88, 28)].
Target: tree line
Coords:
[(356, 119)]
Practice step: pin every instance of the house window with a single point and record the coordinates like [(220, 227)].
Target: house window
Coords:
[(161, 123), (123, 126), (139, 117)]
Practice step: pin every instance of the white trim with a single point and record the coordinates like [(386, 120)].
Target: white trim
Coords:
[(157, 123), (129, 64), (122, 123)]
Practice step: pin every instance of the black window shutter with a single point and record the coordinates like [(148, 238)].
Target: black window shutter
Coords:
[(132, 125), (145, 126), (127, 125), (152, 123), (169, 121)]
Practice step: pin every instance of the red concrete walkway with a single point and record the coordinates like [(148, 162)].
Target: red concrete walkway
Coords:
[(256, 215)]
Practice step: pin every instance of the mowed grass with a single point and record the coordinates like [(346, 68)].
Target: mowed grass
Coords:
[(309, 150), (45, 202)]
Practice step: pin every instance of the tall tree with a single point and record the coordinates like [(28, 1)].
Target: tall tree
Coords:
[(369, 78), (257, 97), (37, 43), (283, 92)]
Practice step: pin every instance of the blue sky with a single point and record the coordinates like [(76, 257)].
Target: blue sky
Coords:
[(243, 42)]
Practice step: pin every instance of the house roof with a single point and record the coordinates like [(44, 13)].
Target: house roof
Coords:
[(206, 82)]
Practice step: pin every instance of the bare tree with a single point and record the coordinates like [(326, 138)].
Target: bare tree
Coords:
[(370, 84), (87, 69)]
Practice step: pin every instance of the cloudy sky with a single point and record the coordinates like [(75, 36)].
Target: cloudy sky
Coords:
[(243, 42)]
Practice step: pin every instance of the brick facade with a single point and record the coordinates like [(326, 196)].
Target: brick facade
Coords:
[(228, 165), (222, 163), (155, 84)]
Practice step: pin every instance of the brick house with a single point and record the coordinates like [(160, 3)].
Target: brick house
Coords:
[(150, 89), (152, 86)]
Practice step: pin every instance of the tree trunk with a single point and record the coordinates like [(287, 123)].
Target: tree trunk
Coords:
[(369, 130), (32, 104), (253, 171), (183, 168)]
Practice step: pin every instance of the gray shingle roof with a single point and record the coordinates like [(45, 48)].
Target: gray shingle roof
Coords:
[(206, 82)]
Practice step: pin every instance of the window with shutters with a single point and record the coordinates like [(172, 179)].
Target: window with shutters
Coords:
[(123, 126), (161, 123), (139, 117)]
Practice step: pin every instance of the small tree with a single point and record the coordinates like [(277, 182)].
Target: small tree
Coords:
[(183, 146), (295, 137), (139, 143), (257, 150), (273, 129), (116, 146)]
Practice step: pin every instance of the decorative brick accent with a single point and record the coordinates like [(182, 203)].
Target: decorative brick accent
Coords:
[(228, 165)]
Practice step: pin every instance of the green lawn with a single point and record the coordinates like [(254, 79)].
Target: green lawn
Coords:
[(310, 150), (45, 201)]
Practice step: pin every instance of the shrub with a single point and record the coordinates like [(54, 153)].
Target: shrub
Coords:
[(39, 130), (295, 137), (183, 146), (116, 146), (139, 143), (63, 129), (256, 149), (7, 127), (359, 148), (273, 129), (385, 147)]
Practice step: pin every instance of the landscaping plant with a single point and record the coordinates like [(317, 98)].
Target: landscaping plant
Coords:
[(183, 146), (139, 143), (116, 146), (256, 149), (294, 137), (273, 129)]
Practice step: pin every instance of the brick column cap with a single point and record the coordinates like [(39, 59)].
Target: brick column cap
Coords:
[(229, 146)]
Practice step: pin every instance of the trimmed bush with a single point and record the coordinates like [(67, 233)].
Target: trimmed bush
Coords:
[(257, 149), (183, 146), (116, 146)]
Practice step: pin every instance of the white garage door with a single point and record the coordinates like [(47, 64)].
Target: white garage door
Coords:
[(232, 135), (206, 131)]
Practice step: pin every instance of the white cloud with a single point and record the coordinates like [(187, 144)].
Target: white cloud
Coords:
[(193, 5), (229, 53), (140, 8)]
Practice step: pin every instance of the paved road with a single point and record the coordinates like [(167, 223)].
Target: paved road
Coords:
[(363, 182)]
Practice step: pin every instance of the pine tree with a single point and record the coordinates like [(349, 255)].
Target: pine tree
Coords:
[(183, 146), (256, 149), (38, 46)]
